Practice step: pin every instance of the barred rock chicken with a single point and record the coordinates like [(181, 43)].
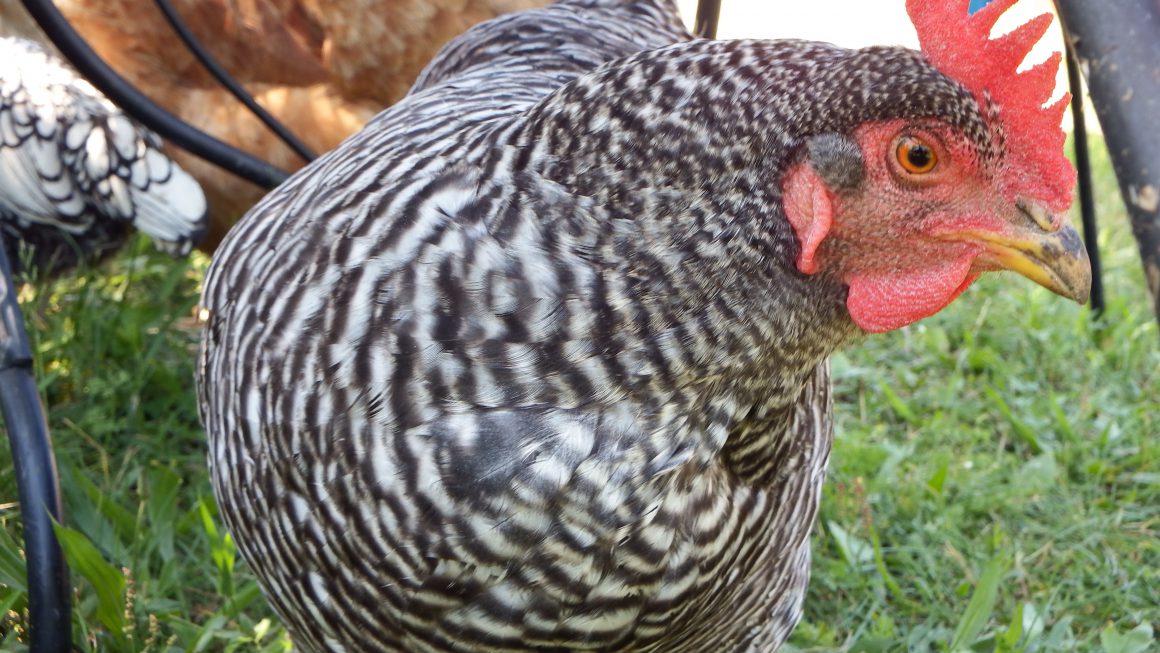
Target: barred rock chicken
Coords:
[(537, 361), (76, 174), (322, 67)]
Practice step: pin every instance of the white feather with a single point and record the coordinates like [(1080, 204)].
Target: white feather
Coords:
[(69, 157)]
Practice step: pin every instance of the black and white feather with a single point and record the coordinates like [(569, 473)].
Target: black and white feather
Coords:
[(526, 363), (77, 174)]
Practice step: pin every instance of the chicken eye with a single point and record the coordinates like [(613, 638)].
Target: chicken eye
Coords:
[(915, 156)]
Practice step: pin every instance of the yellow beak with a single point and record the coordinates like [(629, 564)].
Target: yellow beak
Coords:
[(1039, 247)]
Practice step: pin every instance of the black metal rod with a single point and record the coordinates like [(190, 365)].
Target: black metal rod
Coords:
[(124, 95), (708, 15), (1117, 45), (223, 77), (50, 629), (1083, 167)]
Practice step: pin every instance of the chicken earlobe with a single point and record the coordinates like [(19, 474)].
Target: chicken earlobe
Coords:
[(810, 211), (834, 164)]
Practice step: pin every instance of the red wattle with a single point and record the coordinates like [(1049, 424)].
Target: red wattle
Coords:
[(887, 300)]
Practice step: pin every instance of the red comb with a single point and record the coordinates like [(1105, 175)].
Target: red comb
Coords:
[(961, 47)]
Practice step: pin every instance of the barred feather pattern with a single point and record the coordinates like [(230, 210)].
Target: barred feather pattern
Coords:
[(526, 364), (76, 174)]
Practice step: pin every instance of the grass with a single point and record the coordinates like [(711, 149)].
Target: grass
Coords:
[(995, 483), (153, 570)]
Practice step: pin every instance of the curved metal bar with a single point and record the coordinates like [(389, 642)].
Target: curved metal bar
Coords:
[(708, 15), (208, 62), (124, 95), (1117, 45), (1083, 168), (50, 629)]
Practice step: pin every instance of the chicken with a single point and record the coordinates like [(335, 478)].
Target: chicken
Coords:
[(321, 68), (538, 359), (76, 174)]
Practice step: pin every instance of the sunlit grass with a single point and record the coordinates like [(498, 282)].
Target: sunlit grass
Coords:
[(153, 571)]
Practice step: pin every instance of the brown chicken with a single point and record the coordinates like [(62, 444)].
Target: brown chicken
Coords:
[(322, 67)]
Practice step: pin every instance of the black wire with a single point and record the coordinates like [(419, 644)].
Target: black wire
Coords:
[(708, 15), (1083, 167), (122, 93), (36, 479), (210, 64)]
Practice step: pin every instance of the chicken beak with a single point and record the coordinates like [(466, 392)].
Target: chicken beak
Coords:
[(1041, 247)]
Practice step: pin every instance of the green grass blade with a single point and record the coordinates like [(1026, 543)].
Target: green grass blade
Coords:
[(1025, 433), (107, 581), (896, 402), (1138, 640), (12, 568), (123, 522), (161, 508), (981, 606)]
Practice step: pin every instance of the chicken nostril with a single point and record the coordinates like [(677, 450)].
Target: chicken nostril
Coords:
[(1039, 215)]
